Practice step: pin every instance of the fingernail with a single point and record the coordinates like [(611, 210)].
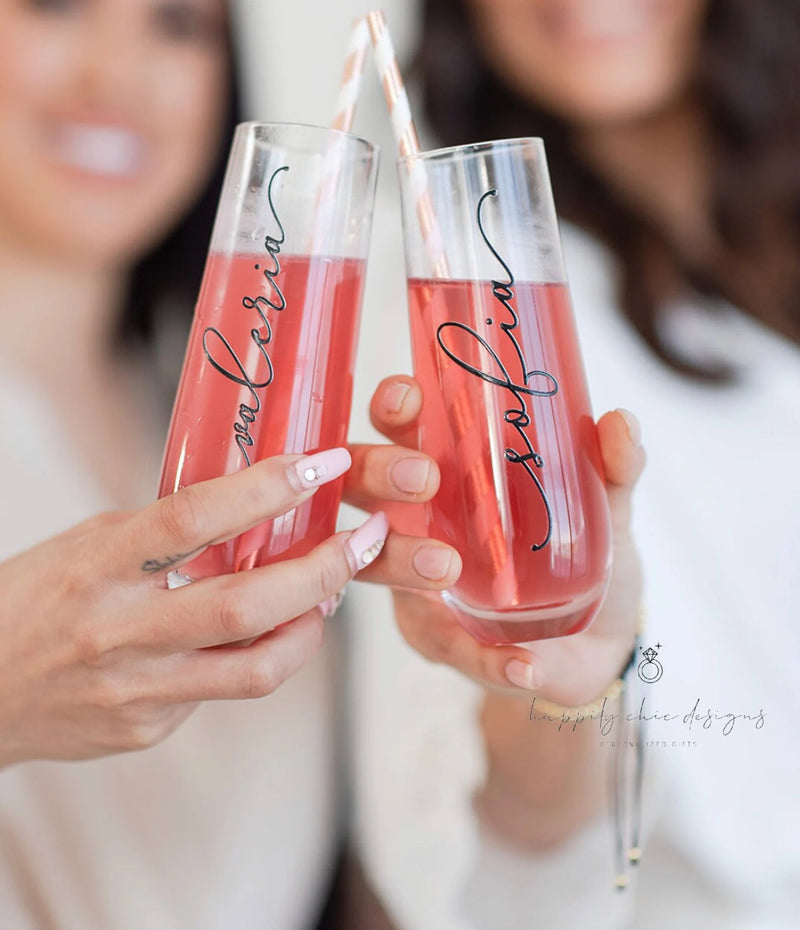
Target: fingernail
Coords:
[(331, 605), (634, 427), (411, 475), (432, 562), (364, 546), (318, 469), (520, 673), (394, 397)]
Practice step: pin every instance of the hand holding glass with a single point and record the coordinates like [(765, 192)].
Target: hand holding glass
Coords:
[(269, 365)]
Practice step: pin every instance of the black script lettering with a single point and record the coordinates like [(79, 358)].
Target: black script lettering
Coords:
[(237, 373), (517, 384), (231, 366), (606, 720)]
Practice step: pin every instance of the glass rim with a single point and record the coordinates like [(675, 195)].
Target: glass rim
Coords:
[(473, 148), (312, 127)]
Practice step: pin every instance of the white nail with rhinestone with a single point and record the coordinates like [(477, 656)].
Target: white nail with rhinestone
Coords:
[(318, 469), (365, 545)]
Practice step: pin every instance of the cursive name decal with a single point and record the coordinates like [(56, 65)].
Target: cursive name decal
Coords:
[(516, 383), (220, 352)]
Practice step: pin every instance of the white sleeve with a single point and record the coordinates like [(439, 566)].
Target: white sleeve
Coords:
[(418, 759), (570, 888)]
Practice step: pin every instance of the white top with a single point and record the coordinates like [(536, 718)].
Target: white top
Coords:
[(231, 823), (717, 518)]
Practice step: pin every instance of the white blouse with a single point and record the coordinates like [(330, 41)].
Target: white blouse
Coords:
[(232, 822), (717, 518)]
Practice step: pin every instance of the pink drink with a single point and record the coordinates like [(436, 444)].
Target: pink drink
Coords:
[(268, 370), (508, 419)]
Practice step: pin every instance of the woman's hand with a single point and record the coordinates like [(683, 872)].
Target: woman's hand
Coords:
[(571, 670), (97, 656), (543, 782)]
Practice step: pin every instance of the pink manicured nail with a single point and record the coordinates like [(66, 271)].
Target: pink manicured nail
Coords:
[(365, 545), (520, 673), (432, 562), (411, 475), (394, 397), (634, 427), (319, 468)]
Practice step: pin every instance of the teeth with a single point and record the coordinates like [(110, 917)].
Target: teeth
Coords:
[(99, 149), (609, 20)]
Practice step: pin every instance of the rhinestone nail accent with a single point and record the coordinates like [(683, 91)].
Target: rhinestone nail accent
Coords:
[(313, 474), (369, 555)]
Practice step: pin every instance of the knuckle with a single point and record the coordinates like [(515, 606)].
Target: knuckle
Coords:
[(262, 678), (182, 514), (90, 643), (110, 697), (230, 616), (142, 731), (330, 575), (131, 720), (271, 488), (139, 722), (74, 578), (268, 672)]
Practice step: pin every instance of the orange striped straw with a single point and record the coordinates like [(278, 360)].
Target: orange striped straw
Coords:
[(405, 134), (351, 76), (343, 122)]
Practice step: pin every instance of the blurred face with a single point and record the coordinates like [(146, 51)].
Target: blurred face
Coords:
[(111, 114), (591, 62)]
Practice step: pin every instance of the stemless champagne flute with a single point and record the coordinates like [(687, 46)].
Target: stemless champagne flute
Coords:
[(269, 364), (506, 409)]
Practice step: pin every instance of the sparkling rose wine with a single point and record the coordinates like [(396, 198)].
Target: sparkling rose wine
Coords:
[(508, 419), (268, 370)]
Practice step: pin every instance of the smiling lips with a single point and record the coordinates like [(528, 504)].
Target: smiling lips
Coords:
[(599, 20), (108, 151)]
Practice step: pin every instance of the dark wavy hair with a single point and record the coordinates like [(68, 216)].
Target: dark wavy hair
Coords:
[(168, 276), (747, 82)]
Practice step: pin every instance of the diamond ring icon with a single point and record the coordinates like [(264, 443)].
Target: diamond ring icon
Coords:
[(650, 669)]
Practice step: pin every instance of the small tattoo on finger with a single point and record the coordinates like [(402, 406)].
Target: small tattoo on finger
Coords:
[(151, 566)]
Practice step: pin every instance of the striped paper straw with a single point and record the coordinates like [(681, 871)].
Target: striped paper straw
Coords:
[(342, 121), (483, 497), (351, 76), (405, 134)]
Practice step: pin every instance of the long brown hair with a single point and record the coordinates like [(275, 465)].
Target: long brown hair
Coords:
[(747, 81)]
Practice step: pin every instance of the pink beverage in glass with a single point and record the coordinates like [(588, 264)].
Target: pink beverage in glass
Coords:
[(269, 363), (236, 405), (499, 504), (506, 410)]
